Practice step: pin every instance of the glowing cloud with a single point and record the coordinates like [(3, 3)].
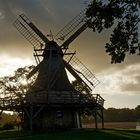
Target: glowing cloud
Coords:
[(9, 64), (120, 81)]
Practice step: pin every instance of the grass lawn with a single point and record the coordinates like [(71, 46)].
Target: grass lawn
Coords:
[(83, 134)]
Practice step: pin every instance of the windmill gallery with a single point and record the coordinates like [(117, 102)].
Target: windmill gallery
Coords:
[(52, 102)]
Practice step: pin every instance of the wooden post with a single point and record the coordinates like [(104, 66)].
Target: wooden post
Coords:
[(80, 118), (96, 121), (77, 119), (31, 118), (102, 112), (1, 112)]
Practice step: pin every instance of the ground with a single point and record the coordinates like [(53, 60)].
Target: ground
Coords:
[(83, 134), (113, 125)]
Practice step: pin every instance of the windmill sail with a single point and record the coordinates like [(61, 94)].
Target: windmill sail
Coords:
[(70, 28), (82, 71), (30, 31), (70, 32)]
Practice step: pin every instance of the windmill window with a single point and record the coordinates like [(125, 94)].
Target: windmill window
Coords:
[(59, 114)]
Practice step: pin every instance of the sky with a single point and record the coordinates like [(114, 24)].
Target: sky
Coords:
[(119, 83)]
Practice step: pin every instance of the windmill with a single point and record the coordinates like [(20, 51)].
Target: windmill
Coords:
[(52, 101)]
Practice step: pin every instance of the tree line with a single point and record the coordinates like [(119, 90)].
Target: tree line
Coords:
[(122, 115), (116, 115)]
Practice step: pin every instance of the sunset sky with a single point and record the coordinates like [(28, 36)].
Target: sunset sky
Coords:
[(119, 83)]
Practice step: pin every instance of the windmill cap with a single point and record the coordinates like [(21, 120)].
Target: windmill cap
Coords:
[(53, 47)]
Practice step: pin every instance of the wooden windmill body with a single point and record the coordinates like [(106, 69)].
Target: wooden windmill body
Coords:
[(53, 90)]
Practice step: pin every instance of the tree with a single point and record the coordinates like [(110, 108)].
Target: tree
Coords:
[(137, 112), (123, 16), (7, 120), (85, 94), (15, 86), (80, 87)]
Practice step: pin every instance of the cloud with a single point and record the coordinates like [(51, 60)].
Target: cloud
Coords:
[(131, 78), (9, 64), (132, 87), (1, 15), (121, 100), (123, 81)]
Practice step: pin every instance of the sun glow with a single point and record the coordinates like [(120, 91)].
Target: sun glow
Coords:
[(23, 82)]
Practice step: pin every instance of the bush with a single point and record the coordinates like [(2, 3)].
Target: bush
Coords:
[(8, 126)]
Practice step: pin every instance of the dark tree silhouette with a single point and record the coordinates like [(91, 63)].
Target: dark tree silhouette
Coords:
[(80, 87), (122, 115), (15, 86), (123, 16), (137, 112)]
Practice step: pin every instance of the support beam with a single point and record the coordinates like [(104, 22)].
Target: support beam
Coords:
[(26, 111), (31, 118), (77, 119), (40, 109), (101, 115), (96, 119), (80, 118), (1, 112), (102, 112)]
